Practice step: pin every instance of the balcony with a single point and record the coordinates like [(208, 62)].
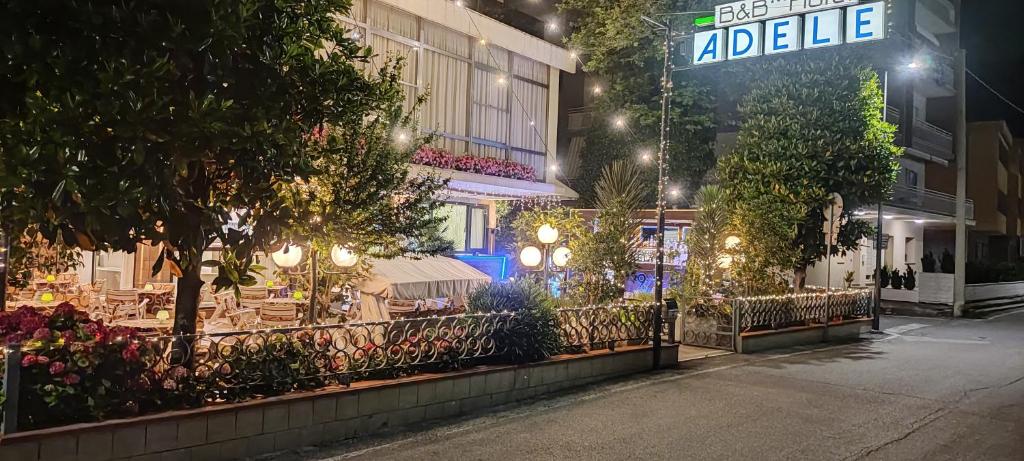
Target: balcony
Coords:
[(932, 140), (928, 201), (580, 118), (935, 17)]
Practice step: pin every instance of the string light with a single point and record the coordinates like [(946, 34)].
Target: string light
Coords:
[(597, 90), (619, 122), (502, 80), (483, 41)]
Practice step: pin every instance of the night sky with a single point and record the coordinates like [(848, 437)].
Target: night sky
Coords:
[(993, 34)]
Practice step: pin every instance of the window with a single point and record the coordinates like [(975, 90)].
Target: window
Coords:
[(909, 177), (466, 227)]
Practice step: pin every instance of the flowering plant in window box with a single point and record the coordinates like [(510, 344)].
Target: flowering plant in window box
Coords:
[(441, 158)]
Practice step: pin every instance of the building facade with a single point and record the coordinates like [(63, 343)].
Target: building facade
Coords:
[(493, 95)]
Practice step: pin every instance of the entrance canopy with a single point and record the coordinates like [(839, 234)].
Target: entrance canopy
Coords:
[(417, 279)]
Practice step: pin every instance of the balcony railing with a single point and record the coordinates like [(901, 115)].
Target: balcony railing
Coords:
[(580, 118), (928, 201), (932, 140)]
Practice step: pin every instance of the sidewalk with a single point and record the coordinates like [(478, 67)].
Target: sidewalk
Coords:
[(916, 309)]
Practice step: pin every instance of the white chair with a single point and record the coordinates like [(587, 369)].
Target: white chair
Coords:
[(279, 314)]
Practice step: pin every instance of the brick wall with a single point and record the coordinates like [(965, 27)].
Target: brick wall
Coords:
[(298, 420)]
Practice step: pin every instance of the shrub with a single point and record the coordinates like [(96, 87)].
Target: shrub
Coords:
[(896, 280), (533, 333), (948, 263), (74, 369), (928, 262), (884, 276), (910, 279)]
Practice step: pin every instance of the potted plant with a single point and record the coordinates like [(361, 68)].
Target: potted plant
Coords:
[(909, 280), (884, 277), (848, 279), (928, 263), (896, 280), (947, 264)]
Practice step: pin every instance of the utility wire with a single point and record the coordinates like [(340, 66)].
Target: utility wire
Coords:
[(1000, 96)]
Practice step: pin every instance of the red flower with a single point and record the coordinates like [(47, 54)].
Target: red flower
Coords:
[(72, 378), (42, 359), (28, 360), (56, 368), (42, 333)]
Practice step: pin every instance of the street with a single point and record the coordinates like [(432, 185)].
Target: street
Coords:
[(930, 389)]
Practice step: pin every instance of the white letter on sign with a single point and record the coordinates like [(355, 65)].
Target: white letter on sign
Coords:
[(709, 47), (783, 35), (865, 22), (745, 41), (824, 28)]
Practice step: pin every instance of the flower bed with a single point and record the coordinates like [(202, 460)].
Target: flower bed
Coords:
[(440, 158), (73, 369)]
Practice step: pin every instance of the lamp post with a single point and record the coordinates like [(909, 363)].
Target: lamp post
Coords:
[(532, 256), (290, 255)]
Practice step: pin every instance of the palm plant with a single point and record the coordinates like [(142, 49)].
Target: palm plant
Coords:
[(706, 242)]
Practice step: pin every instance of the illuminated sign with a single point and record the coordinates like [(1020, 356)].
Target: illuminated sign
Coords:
[(746, 11), (816, 29)]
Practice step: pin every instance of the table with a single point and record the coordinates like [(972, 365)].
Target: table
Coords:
[(147, 324), (157, 297), (38, 304)]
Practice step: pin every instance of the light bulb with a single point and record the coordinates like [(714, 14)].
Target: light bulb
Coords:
[(547, 234), (530, 256), (561, 256), (287, 256)]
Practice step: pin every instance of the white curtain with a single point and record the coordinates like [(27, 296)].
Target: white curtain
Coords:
[(490, 110), (528, 68), (393, 20), (358, 11), (447, 79), (532, 104), (385, 49), (455, 224)]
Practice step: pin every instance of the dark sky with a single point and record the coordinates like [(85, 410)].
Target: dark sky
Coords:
[(993, 34)]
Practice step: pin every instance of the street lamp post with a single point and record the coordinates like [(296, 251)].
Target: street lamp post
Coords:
[(532, 256)]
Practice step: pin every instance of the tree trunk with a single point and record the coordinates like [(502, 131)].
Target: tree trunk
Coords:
[(186, 306), (799, 278)]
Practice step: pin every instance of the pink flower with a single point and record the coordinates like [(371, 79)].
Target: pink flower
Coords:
[(170, 385), (42, 333), (56, 368), (42, 359), (28, 360), (72, 378)]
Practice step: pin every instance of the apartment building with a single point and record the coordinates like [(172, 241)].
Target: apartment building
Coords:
[(994, 184), (920, 217)]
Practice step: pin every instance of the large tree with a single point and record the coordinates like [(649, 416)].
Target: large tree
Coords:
[(811, 125), (185, 123), (625, 55)]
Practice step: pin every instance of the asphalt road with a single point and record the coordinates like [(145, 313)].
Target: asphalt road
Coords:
[(932, 389)]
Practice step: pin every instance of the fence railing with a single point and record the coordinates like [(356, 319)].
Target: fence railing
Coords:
[(155, 374), (717, 322), (594, 327), (778, 312)]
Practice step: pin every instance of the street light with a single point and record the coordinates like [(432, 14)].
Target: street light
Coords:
[(532, 256), (288, 256)]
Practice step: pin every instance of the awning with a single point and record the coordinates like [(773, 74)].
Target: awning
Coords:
[(426, 278)]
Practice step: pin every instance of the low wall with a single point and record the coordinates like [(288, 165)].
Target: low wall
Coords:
[(901, 295), (935, 288), (262, 427), (984, 291), (798, 336)]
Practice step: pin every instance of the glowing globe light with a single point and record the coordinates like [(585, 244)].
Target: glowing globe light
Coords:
[(288, 256), (732, 242), (343, 257), (547, 234), (561, 256), (530, 256)]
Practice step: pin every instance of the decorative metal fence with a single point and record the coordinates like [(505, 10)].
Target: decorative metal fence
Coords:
[(716, 322), (708, 322), (603, 326), (777, 312), (169, 372)]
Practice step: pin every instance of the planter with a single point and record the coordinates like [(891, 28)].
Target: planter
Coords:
[(935, 288), (984, 291), (906, 296)]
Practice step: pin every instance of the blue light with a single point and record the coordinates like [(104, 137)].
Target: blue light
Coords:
[(495, 266)]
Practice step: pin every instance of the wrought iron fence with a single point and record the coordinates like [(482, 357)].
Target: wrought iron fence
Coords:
[(241, 363), (170, 372), (776, 312), (603, 326), (708, 322)]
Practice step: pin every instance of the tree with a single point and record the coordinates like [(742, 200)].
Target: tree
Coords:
[(183, 124), (613, 245), (706, 243), (626, 56), (811, 126)]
